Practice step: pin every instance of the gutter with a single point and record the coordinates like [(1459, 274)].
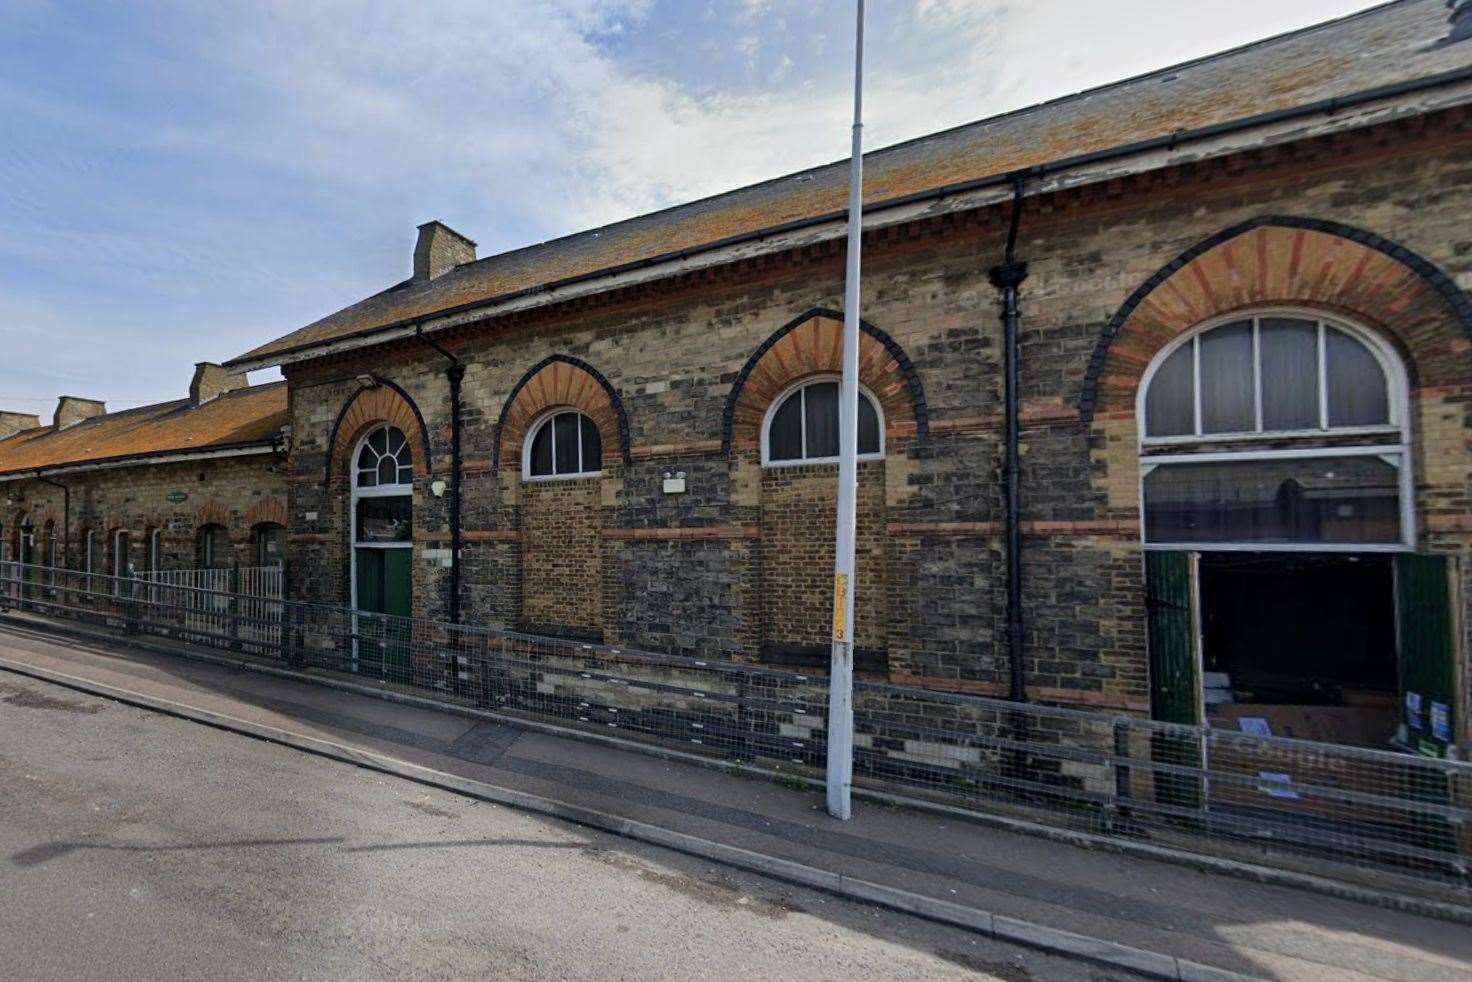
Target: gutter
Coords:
[(139, 460), (543, 293)]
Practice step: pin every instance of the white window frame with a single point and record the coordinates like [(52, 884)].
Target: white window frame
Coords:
[(1397, 455), (119, 556), (1397, 386), (531, 434), (89, 543), (377, 491), (155, 540), (805, 460)]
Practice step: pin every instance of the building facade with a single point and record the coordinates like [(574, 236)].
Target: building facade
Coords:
[(194, 483), (1243, 409)]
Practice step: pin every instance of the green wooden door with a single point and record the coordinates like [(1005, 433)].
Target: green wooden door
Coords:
[(1170, 601), (384, 586), (1175, 684), (1426, 650)]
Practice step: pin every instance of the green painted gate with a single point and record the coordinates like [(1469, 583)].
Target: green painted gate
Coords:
[(1170, 602), (1425, 625), (1175, 683), (384, 586)]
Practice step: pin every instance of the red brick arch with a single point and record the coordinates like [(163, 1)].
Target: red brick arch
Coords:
[(211, 512), (266, 510), (814, 346), (555, 383), (383, 403), (1301, 263)]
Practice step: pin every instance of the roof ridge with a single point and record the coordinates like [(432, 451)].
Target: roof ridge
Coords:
[(1080, 95)]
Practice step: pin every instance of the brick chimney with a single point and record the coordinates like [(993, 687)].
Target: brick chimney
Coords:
[(439, 250), (13, 423), (211, 381), (71, 410)]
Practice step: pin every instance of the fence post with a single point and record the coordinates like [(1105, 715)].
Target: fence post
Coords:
[(1121, 770), (131, 620), (235, 607), (289, 653)]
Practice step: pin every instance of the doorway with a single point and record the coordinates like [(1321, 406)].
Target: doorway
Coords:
[(1301, 645)]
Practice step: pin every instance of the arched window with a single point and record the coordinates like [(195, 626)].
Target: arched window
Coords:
[(270, 544), (214, 548), (155, 550), (1328, 395), (120, 559), (383, 489), (801, 426), (1270, 374), (563, 444)]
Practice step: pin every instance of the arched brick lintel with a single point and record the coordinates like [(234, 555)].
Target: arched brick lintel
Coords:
[(561, 380), (812, 344), (1269, 259), (266, 510), (211, 512), (370, 407)]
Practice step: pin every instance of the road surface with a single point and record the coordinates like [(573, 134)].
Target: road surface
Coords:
[(137, 846)]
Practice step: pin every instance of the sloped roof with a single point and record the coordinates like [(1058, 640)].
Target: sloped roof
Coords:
[(1385, 46), (253, 415)]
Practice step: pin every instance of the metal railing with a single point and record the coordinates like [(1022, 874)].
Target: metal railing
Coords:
[(1370, 815)]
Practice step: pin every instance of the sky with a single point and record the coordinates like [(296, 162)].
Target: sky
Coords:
[(181, 182)]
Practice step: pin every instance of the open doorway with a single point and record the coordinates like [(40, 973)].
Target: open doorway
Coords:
[(1301, 644)]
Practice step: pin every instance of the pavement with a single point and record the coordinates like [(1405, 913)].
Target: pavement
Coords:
[(135, 845), (1202, 921)]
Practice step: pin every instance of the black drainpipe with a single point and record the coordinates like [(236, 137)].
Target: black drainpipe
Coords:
[(1007, 277), (455, 374), (66, 519)]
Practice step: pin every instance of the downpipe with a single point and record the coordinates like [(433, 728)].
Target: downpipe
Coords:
[(455, 375)]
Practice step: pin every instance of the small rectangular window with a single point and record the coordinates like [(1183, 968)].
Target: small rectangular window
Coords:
[(389, 519)]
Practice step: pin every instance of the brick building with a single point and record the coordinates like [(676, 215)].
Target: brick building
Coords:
[(192, 483), (1244, 407)]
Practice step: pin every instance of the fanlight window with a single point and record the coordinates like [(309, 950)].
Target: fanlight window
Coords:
[(803, 426), (1268, 374), (564, 444), (385, 459), (1305, 382)]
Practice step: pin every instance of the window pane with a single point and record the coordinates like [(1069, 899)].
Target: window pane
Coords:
[(592, 445), (784, 436), (367, 478), (379, 441), (868, 426), (387, 471), (1290, 373), (406, 475), (820, 419), (541, 463), (1226, 379), (1357, 393), (385, 519), (1170, 404), (565, 446), (395, 440), (367, 458), (1348, 500)]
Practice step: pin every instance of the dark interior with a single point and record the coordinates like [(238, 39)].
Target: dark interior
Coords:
[(1300, 629)]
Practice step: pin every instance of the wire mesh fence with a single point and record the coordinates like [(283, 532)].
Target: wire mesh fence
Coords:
[(1387, 817)]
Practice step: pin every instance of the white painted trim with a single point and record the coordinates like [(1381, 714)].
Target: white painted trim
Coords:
[(804, 461), (1397, 384), (1405, 493), (535, 428)]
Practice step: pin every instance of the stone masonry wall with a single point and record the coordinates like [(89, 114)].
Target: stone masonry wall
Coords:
[(238, 493), (688, 572)]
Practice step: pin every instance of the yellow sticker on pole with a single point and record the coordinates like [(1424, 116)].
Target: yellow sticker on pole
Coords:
[(840, 606)]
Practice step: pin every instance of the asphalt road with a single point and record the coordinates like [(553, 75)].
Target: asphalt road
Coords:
[(138, 846)]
